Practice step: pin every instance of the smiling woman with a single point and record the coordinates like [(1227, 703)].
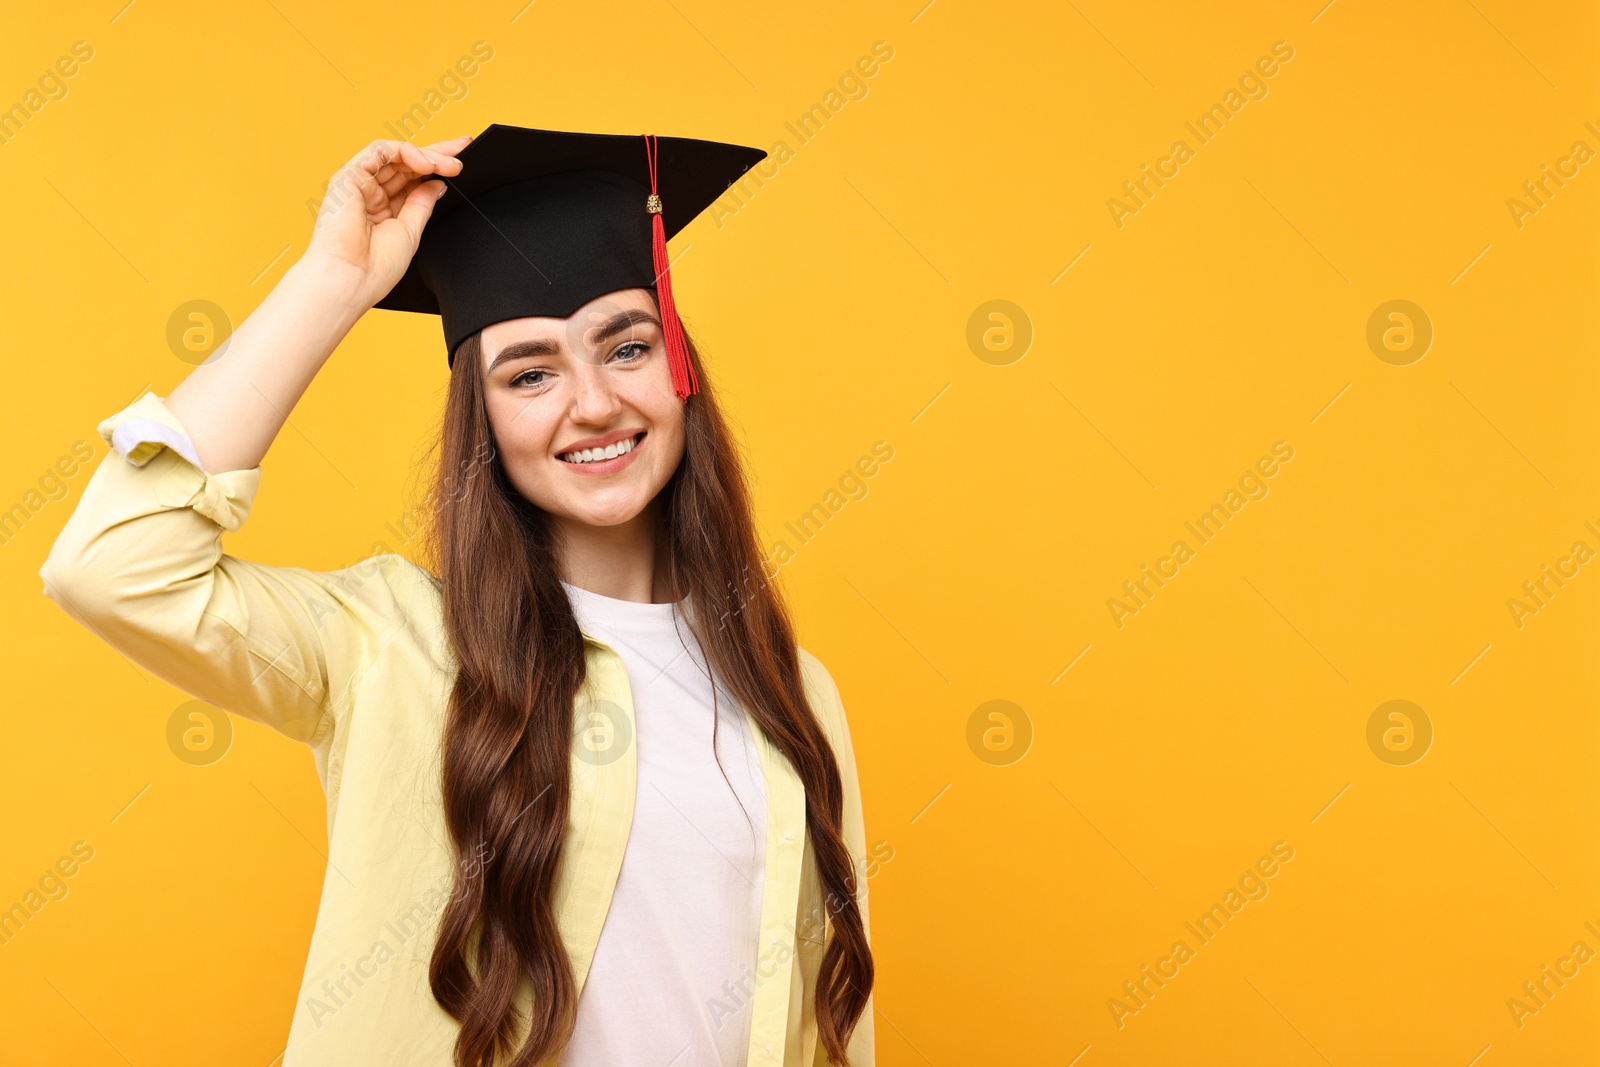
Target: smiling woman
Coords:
[(523, 735), (587, 420)]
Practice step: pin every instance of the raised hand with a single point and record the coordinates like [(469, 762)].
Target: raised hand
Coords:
[(374, 211)]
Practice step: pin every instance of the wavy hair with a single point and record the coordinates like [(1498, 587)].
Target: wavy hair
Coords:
[(508, 733)]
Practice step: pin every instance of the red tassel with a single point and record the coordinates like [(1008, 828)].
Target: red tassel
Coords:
[(684, 380)]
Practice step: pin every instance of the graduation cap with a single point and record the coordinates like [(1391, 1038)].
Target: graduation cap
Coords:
[(540, 222)]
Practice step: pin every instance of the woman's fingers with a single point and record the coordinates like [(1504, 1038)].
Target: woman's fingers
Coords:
[(413, 158), (379, 202), (384, 158), (374, 198), (377, 155), (407, 167), (396, 183), (418, 208), (399, 182), (420, 161), (384, 172), (450, 147)]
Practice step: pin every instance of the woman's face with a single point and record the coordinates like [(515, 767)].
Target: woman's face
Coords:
[(563, 394)]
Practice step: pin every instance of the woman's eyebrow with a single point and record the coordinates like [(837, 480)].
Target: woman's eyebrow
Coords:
[(522, 350), (622, 320)]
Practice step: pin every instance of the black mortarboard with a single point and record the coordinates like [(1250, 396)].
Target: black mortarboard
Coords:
[(539, 222)]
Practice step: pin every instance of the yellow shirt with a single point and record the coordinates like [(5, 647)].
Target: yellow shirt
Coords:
[(356, 664)]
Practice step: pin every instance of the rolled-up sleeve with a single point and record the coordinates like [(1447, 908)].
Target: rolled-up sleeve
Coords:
[(140, 564)]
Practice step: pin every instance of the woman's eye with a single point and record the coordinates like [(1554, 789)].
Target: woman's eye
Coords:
[(525, 378), (633, 350)]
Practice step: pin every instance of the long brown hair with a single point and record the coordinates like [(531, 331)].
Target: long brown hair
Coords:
[(509, 726)]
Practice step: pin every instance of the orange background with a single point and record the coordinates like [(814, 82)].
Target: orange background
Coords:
[(1028, 866)]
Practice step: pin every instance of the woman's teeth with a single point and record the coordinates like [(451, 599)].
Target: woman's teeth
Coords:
[(596, 455)]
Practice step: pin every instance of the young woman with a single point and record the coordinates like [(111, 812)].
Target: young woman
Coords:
[(537, 851)]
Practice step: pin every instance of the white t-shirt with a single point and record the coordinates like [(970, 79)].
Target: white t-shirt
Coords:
[(673, 972)]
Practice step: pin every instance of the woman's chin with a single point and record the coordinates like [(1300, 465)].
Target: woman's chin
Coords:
[(603, 514)]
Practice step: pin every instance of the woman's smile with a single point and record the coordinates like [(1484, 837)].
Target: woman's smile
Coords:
[(603, 455)]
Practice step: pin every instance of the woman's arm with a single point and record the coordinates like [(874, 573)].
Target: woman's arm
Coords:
[(366, 233), (139, 561)]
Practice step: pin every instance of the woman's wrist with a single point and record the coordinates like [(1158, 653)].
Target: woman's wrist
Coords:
[(332, 286)]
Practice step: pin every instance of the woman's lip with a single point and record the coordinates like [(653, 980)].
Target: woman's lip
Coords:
[(606, 466)]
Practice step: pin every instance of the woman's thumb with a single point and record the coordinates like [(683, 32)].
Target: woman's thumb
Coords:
[(418, 208)]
